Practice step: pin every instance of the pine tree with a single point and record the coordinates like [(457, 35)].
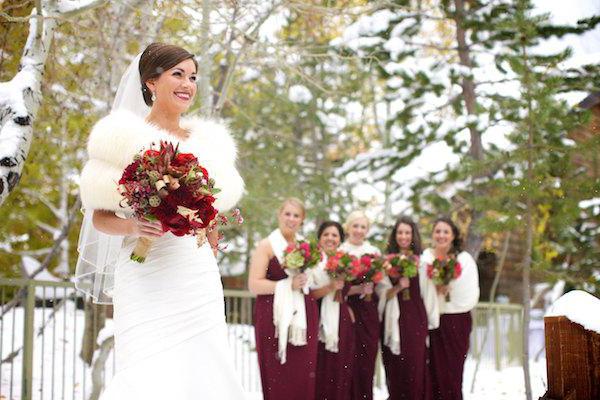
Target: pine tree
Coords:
[(439, 62)]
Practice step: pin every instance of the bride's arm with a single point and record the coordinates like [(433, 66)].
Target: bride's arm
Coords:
[(107, 222), (213, 240), (257, 276)]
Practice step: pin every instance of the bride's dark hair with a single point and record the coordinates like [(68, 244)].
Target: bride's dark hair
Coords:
[(156, 59)]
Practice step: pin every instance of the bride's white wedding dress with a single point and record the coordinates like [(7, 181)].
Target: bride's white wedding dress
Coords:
[(169, 317), (170, 332)]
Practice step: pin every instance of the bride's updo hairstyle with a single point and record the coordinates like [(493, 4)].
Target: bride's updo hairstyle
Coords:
[(158, 58)]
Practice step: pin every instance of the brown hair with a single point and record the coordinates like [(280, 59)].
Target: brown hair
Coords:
[(457, 241), (329, 224), (415, 244), (156, 59)]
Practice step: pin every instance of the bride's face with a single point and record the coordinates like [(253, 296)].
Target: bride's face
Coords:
[(175, 88)]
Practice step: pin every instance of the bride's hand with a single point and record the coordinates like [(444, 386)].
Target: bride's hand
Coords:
[(298, 281), (144, 228)]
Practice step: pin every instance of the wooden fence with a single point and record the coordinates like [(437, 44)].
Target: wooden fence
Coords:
[(573, 361)]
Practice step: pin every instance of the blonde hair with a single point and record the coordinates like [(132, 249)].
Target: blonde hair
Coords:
[(295, 202), (353, 216)]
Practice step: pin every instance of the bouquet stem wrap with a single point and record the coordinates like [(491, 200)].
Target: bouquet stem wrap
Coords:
[(142, 247), (338, 296)]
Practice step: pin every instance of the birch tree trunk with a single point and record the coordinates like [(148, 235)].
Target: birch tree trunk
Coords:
[(21, 97)]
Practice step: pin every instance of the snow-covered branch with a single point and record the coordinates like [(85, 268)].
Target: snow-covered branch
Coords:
[(21, 97)]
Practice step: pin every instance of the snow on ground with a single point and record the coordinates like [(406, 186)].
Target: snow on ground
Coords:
[(58, 369)]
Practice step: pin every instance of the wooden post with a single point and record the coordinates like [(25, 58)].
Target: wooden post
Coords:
[(572, 361)]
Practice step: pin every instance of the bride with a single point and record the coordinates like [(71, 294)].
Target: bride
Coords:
[(169, 319)]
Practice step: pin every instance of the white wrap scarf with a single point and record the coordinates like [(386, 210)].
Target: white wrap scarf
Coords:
[(464, 291), (391, 310), (329, 321), (289, 310)]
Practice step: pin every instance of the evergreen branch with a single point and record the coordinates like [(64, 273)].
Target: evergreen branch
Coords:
[(583, 25)]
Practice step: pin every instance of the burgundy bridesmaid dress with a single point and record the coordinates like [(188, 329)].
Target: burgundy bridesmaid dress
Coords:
[(367, 329), (334, 370), (407, 373), (294, 380), (449, 345)]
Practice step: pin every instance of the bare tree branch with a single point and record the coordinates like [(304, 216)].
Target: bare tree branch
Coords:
[(49, 257)]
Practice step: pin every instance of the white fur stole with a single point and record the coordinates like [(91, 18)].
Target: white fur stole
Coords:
[(118, 137)]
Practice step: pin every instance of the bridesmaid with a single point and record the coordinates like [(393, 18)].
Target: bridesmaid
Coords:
[(336, 346), (449, 343), (405, 326), (365, 310), (287, 370)]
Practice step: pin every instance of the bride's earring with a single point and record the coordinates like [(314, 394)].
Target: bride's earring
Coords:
[(153, 97)]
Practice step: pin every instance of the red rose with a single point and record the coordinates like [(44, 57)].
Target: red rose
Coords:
[(176, 223), (182, 196), (204, 172), (393, 273), (333, 263), (151, 153), (366, 261), (207, 214), (305, 249), (182, 159), (357, 268), (377, 277), (457, 270), (430, 271)]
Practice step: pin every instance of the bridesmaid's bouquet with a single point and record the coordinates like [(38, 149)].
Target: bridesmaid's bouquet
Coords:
[(443, 271), (338, 267), (301, 256), (171, 187), (367, 269), (401, 266)]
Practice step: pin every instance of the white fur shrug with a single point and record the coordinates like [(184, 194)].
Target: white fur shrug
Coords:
[(119, 136)]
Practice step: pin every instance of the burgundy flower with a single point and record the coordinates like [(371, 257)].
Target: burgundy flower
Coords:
[(129, 172)]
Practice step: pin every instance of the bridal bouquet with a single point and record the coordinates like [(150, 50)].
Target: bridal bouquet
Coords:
[(171, 187), (443, 271), (401, 266), (302, 255)]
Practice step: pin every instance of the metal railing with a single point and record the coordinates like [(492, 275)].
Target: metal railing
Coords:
[(42, 348), (497, 334), (48, 340)]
